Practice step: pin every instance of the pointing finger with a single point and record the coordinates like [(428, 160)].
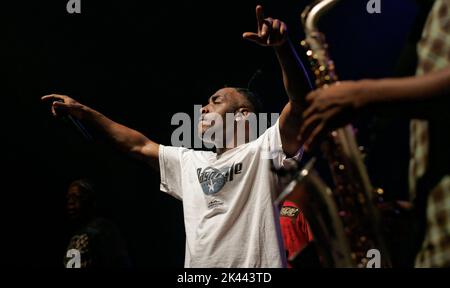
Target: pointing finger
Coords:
[(259, 17), (251, 36), (52, 96)]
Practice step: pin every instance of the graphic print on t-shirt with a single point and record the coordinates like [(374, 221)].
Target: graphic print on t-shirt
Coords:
[(213, 180)]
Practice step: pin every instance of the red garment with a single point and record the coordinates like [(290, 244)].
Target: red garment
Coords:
[(295, 229)]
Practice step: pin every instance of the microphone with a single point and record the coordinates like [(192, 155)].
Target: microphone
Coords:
[(78, 125)]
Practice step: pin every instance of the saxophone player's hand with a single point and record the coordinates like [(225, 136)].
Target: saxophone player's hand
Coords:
[(271, 32), (330, 108)]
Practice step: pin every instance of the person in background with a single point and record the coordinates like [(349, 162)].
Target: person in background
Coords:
[(97, 239)]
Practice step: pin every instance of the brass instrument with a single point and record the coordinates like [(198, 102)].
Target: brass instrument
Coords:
[(344, 219)]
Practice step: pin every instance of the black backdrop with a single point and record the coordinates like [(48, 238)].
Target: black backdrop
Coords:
[(140, 62)]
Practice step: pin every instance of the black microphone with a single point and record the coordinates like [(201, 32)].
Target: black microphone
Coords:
[(78, 125)]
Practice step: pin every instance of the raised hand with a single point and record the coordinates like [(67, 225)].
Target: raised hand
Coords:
[(271, 32)]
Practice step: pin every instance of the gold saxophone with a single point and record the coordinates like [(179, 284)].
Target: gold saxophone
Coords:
[(344, 219)]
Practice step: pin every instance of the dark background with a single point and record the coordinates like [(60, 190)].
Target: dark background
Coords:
[(139, 62)]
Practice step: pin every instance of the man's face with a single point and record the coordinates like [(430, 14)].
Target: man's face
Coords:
[(226, 100), (79, 203), (74, 203)]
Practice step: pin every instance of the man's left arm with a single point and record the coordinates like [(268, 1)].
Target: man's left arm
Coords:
[(273, 32), (297, 86)]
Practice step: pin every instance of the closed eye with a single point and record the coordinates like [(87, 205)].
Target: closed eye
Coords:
[(216, 99)]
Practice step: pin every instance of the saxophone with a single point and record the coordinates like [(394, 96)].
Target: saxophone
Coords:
[(344, 219)]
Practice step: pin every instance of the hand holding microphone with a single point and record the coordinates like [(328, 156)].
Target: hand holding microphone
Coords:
[(69, 110)]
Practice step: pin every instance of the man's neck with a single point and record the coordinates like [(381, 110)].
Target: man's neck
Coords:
[(232, 143), (220, 151)]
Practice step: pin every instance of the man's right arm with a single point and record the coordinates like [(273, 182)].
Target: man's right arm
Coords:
[(124, 138)]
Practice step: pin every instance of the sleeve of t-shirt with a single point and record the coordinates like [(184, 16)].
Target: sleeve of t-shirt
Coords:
[(272, 147), (170, 166)]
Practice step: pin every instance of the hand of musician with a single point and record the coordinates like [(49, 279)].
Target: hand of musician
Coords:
[(271, 32), (330, 108), (63, 105)]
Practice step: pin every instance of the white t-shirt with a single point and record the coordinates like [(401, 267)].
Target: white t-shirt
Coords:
[(229, 216)]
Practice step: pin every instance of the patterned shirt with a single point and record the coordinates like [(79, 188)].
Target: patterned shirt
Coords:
[(434, 54)]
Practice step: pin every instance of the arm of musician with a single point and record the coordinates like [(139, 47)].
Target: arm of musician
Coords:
[(297, 85), (413, 97), (410, 97), (273, 32), (124, 138)]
